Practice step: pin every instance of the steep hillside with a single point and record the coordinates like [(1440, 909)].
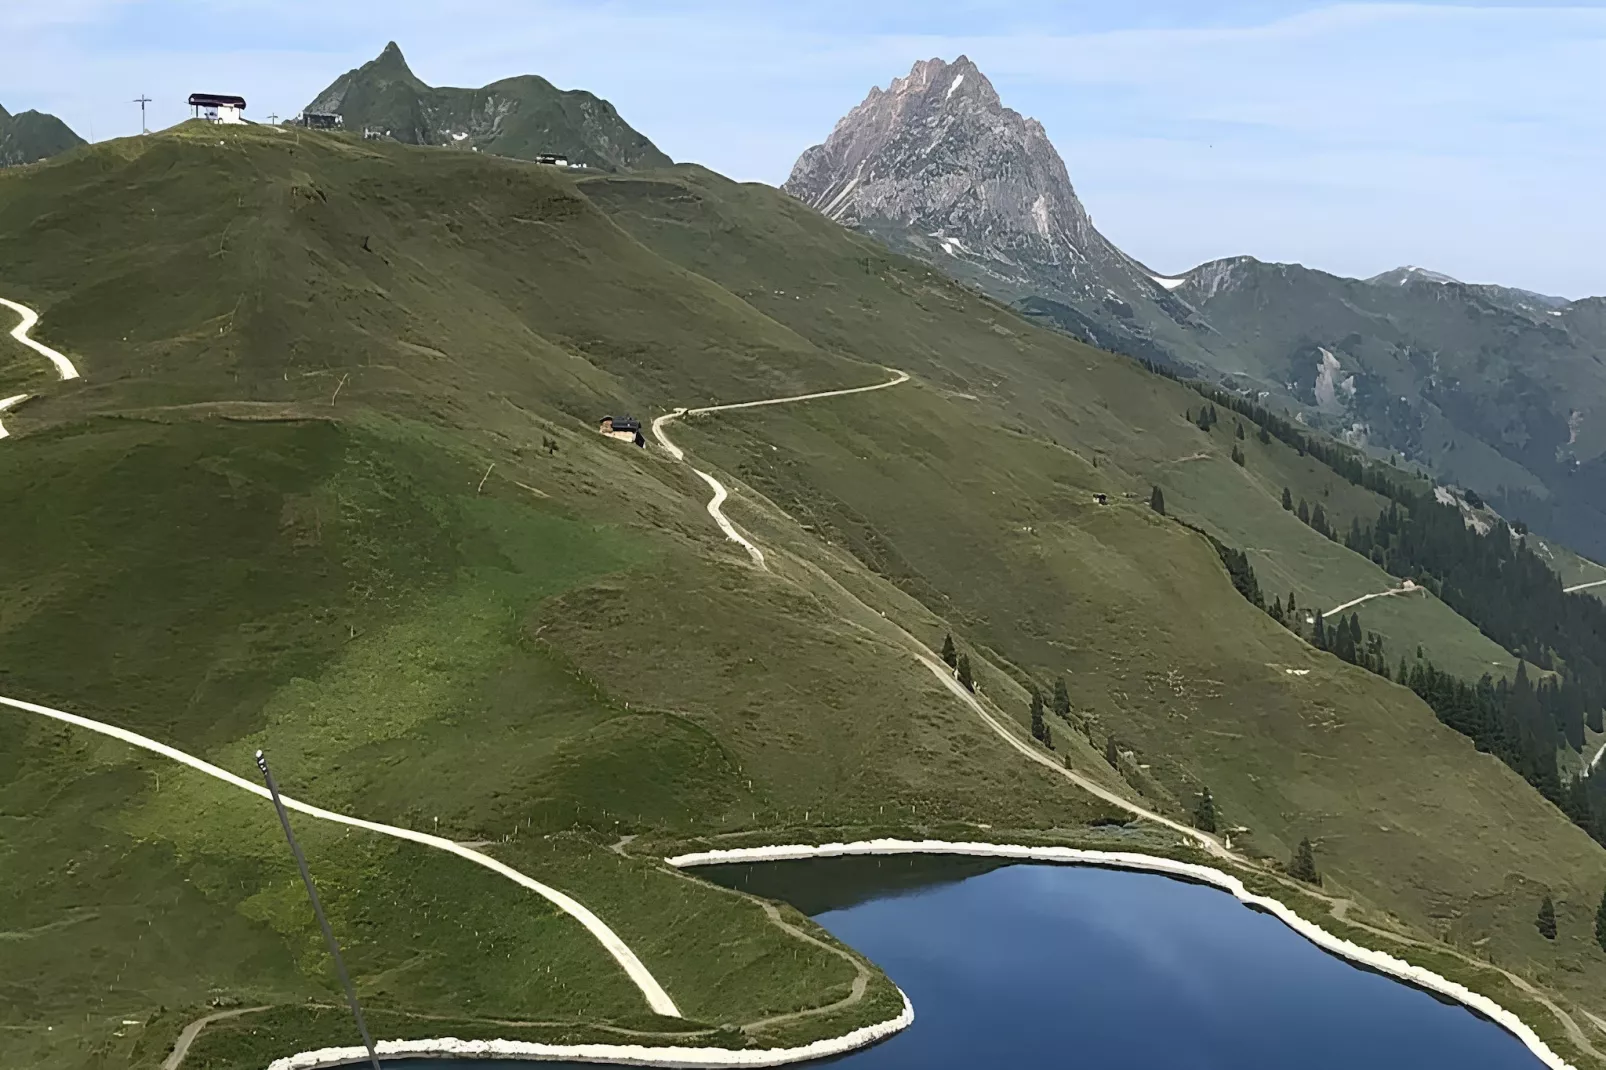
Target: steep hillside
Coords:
[(331, 486), (1496, 388), (521, 117), (1499, 392), (33, 136)]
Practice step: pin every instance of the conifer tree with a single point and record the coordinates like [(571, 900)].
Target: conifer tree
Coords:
[(1237, 456), (1265, 437), (1112, 754), (1600, 924), (1240, 431), (1303, 865), (1062, 698), (1048, 736), (1157, 501), (1318, 632), (950, 656), (1293, 604), (1318, 519), (1039, 727), (966, 681), (1204, 812), (1303, 512), (1288, 500), (1546, 922)]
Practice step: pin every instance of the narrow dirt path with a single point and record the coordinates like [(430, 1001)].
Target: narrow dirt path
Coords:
[(657, 998), (1339, 907), (717, 502), (64, 367), (861, 972), (181, 1047), (1583, 586), (1405, 587)]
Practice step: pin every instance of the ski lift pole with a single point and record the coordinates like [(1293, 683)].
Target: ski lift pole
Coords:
[(317, 908)]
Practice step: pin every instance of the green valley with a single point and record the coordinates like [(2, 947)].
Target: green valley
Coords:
[(331, 486)]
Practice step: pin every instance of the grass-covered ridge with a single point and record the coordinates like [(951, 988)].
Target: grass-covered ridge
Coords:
[(302, 500)]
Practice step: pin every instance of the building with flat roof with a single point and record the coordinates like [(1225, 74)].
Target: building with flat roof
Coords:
[(217, 107)]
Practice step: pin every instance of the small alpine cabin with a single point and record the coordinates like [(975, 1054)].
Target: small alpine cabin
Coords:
[(623, 428), (217, 107)]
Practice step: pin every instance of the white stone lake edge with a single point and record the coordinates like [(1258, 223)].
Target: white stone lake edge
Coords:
[(713, 1058)]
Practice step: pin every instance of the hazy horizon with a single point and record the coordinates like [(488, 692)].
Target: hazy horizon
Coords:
[(1466, 138)]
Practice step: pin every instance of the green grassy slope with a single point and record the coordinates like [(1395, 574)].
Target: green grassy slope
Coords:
[(520, 117), (300, 501), (30, 136)]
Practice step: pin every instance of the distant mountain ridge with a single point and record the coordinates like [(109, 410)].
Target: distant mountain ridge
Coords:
[(32, 136), (937, 166), (1501, 389), (521, 117)]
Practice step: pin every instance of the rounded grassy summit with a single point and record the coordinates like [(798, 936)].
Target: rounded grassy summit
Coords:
[(331, 486)]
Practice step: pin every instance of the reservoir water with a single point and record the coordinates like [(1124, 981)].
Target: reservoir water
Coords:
[(1028, 966)]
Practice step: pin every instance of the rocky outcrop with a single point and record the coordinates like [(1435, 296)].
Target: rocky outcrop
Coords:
[(938, 166)]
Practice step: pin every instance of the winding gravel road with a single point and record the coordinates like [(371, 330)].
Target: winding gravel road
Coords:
[(22, 333), (10, 403), (924, 654), (657, 998), (717, 502), (1405, 587)]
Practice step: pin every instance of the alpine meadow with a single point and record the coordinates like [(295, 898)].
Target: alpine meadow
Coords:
[(329, 484)]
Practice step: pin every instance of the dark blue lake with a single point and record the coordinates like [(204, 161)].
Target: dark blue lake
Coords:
[(1026, 966)]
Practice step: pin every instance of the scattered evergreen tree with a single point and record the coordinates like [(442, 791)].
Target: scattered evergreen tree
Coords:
[(1062, 698), (950, 656), (1242, 573), (1157, 501), (1237, 456), (1546, 922), (1318, 521), (1265, 437), (966, 681), (1048, 736), (1204, 812), (1240, 431), (1600, 924), (1112, 754), (1318, 632), (1303, 512), (1293, 604), (1288, 500), (1303, 865), (1039, 726)]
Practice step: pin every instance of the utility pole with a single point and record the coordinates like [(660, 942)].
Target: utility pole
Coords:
[(317, 908), (142, 100)]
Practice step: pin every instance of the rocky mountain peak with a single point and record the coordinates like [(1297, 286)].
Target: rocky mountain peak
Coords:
[(1402, 276), (938, 151), (938, 166)]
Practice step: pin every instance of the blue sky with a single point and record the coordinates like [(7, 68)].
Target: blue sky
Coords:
[(1353, 137)]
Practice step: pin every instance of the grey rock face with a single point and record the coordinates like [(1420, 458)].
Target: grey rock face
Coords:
[(937, 166)]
